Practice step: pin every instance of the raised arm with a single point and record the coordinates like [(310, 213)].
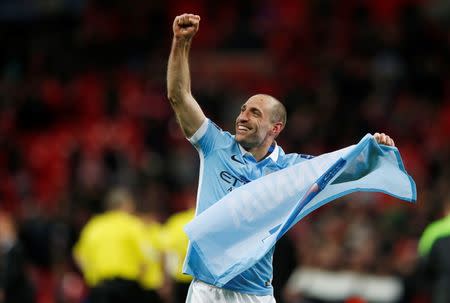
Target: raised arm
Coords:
[(189, 114)]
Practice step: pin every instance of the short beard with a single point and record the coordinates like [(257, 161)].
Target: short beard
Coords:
[(247, 145)]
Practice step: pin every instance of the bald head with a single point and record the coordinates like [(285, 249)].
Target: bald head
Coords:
[(278, 111)]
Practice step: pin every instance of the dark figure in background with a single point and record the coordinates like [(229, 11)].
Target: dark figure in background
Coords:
[(284, 263), (15, 287), (434, 251)]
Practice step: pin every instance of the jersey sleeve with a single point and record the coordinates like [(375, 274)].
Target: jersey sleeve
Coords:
[(207, 137)]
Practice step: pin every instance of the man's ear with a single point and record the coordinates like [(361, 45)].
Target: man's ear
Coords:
[(277, 128)]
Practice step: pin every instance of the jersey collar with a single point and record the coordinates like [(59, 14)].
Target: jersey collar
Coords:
[(273, 155)]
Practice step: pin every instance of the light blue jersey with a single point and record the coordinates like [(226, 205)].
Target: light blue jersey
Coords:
[(225, 165)]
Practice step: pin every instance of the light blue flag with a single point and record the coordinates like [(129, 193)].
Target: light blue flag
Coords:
[(237, 231)]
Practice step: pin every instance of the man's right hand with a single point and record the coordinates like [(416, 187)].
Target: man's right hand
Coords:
[(186, 26), (189, 114)]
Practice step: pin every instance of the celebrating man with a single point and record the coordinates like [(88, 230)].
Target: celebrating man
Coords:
[(228, 161)]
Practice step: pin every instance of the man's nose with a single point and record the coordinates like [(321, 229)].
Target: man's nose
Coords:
[(243, 116)]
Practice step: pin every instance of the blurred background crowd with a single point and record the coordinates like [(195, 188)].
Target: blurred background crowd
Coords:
[(83, 109)]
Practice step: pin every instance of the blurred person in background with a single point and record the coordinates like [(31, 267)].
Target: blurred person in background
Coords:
[(434, 249), (176, 243), (111, 252), (284, 263), (15, 286), (228, 162), (154, 281)]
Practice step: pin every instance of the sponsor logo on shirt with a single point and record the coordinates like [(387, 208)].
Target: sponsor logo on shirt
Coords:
[(232, 180)]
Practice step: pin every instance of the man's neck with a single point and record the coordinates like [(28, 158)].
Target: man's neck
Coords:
[(261, 152)]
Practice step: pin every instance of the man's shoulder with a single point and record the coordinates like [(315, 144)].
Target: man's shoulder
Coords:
[(211, 128), (215, 125), (224, 133), (441, 226), (292, 158), (432, 232), (221, 138)]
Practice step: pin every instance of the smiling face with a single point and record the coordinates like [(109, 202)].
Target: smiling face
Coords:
[(256, 126)]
